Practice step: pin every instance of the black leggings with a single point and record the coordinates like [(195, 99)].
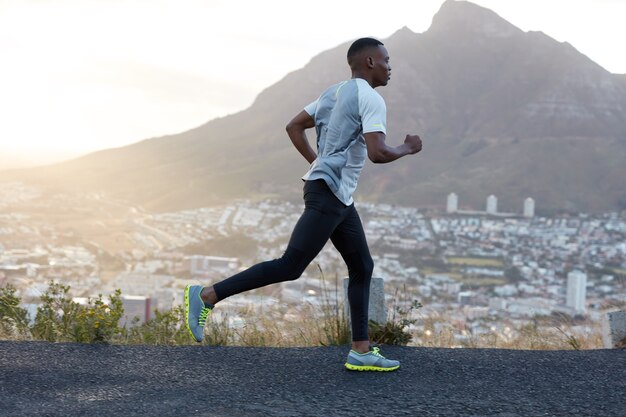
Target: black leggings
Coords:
[(324, 217)]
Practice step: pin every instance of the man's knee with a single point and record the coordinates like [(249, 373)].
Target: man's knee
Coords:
[(368, 266), (361, 264), (293, 271), (294, 262)]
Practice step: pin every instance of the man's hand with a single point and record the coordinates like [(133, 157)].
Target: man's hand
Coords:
[(414, 143)]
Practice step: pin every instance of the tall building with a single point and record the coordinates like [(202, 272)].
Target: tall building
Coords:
[(492, 204), (529, 207), (576, 290), (453, 203)]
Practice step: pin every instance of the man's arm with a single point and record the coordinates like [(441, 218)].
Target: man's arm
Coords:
[(295, 130), (380, 153)]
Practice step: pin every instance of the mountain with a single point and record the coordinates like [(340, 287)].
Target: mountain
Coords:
[(500, 111)]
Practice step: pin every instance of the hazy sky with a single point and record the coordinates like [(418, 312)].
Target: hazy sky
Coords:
[(81, 75)]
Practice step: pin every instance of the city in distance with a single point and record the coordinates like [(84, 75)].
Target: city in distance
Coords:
[(479, 273)]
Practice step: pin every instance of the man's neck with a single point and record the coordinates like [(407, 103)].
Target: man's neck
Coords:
[(363, 77)]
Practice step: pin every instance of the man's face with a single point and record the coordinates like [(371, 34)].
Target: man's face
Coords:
[(382, 69)]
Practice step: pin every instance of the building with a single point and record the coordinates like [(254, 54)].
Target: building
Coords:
[(453, 203), (492, 204), (576, 291), (465, 298), (529, 208), (136, 306), (202, 265)]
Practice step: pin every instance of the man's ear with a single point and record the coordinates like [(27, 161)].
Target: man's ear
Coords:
[(370, 62)]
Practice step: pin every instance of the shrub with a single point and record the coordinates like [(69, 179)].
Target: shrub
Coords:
[(99, 321), (60, 319), (55, 316), (394, 331), (166, 328), (13, 318)]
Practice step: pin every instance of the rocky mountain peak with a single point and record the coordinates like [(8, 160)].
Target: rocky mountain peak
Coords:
[(463, 17)]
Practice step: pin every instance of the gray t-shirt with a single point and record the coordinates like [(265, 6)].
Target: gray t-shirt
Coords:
[(342, 114)]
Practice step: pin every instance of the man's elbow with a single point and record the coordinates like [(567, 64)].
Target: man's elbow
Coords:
[(378, 157), (293, 127)]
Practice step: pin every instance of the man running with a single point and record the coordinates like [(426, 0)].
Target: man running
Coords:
[(350, 122)]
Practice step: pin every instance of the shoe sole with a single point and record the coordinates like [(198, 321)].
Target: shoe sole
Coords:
[(187, 313), (351, 367)]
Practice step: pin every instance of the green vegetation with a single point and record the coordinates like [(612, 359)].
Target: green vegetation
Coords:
[(394, 331), (60, 319), (164, 329), (478, 262), (481, 281), (13, 318), (618, 271)]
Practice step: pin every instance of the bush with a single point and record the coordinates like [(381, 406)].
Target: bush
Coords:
[(99, 321), (55, 317), (13, 318), (394, 331), (60, 319), (166, 328)]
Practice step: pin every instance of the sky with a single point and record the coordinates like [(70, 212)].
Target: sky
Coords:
[(82, 75)]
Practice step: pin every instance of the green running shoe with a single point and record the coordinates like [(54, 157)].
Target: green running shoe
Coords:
[(370, 361), (196, 311)]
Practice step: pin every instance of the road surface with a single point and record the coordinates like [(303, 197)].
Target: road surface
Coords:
[(39, 378)]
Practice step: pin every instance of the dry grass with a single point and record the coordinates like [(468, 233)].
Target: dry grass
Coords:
[(315, 325), (528, 337), (308, 326), (287, 327)]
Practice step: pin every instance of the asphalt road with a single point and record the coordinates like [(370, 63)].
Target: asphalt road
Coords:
[(38, 378)]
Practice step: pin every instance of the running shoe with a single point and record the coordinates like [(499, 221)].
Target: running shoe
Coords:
[(370, 361), (196, 311)]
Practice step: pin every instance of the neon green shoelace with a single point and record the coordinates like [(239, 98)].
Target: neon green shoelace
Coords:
[(203, 315), (376, 351)]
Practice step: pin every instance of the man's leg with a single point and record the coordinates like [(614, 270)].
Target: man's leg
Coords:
[(313, 227), (349, 239), (323, 212)]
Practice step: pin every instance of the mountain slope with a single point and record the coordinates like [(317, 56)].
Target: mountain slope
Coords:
[(500, 111)]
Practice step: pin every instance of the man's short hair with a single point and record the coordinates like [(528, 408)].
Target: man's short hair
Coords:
[(360, 45)]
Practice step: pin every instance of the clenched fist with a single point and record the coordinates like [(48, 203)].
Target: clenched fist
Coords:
[(414, 143)]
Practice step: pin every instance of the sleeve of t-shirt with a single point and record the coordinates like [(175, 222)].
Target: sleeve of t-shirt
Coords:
[(373, 111), (310, 108)]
